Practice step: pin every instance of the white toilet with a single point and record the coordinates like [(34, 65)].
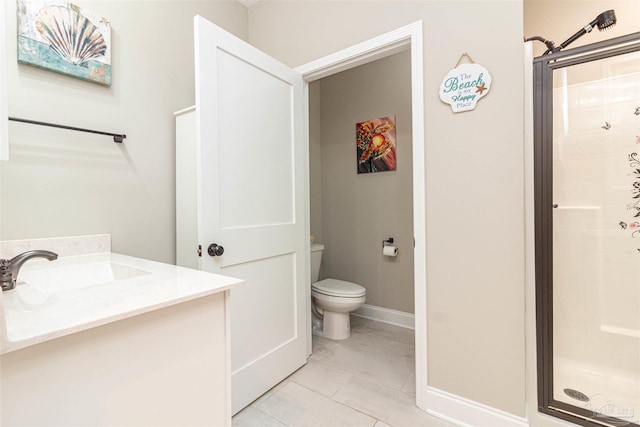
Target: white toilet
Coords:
[(332, 300)]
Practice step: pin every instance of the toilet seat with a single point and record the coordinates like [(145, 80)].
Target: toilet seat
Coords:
[(338, 288)]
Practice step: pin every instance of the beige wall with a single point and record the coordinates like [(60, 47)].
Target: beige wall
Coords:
[(474, 169), (60, 183), (557, 20)]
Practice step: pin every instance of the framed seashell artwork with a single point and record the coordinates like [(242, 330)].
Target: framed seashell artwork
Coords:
[(64, 38)]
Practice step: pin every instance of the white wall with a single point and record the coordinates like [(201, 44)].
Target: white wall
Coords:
[(359, 211), (60, 183), (4, 137), (474, 168), (4, 142)]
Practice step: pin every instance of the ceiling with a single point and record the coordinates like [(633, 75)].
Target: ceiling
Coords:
[(248, 2)]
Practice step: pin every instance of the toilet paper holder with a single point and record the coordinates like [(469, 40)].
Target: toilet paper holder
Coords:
[(389, 241)]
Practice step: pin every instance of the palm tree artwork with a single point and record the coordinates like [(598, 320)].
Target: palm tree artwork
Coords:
[(376, 145)]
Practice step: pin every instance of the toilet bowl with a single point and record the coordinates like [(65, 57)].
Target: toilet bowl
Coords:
[(333, 300)]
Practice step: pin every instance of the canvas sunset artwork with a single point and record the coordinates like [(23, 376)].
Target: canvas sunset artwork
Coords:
[(376, 145), (64, 38)]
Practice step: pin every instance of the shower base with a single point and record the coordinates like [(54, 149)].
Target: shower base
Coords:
[(610, 392)]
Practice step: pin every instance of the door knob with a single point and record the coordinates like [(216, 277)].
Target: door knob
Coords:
[(215, 250)]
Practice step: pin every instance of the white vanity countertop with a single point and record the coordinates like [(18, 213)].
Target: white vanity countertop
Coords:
[(34, 314)]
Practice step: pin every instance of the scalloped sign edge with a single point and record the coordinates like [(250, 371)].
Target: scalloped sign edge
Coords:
[(464, 86)]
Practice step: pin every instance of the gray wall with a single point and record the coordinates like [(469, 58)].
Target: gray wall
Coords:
[(474, 175), (62, 183), (315, 163), (359, 211)]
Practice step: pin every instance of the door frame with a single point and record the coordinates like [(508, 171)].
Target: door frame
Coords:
[(408, 37)]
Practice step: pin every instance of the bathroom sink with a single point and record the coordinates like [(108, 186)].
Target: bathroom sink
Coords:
[(51, 280)]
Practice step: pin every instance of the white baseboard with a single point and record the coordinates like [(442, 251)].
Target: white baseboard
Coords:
[(467, 413), (386, 315)]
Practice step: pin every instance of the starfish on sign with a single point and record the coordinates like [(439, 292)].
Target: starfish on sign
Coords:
[(480, 89)]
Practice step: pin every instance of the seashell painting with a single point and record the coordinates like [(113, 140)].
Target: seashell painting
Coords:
[(62, 37)]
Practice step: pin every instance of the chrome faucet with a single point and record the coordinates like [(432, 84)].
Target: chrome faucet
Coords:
[(9, 268)]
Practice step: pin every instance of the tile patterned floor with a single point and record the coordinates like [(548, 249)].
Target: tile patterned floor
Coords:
[(366, 380)]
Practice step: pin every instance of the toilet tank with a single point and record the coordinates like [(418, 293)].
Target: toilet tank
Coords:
[(316, 260)]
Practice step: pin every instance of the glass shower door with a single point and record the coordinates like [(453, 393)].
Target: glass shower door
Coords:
[(593, 274)]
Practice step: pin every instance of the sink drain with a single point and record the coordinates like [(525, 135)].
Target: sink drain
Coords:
[(575, 394)]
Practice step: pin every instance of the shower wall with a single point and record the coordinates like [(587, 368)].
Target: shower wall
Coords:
[(597, 235)]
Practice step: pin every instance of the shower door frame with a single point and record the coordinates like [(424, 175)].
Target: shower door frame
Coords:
[(543, 68)]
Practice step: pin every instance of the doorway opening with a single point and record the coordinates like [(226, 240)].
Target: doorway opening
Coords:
[(354, 207), (405, 38)]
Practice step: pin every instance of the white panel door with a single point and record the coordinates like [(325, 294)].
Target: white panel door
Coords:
[(251, 193)]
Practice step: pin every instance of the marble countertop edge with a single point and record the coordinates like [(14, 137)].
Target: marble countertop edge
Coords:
[(9, 345), (32, 316)]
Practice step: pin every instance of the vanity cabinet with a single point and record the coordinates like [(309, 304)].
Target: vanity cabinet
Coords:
[(96, 338), (168, 367)]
